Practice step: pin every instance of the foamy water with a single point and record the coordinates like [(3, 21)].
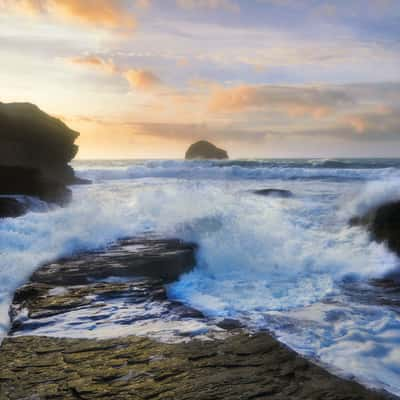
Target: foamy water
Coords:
[(277, 264)]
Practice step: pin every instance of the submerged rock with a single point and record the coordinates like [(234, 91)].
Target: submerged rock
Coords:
[(274, 192), (204, 150), (383, 222), (35, 150)]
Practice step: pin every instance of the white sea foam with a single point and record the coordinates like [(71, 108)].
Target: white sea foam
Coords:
[(270, 262)]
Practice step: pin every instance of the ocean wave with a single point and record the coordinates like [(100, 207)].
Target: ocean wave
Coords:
[(222, 170)]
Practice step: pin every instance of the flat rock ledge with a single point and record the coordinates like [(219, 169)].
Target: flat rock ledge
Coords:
[(239, 367), (124, 287)]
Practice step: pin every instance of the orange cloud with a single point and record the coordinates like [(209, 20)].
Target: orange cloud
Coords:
[(298, 110), (295, 101), (95, 62), (142, 79), (235, 99), (143, 3), (28, 6), (108, 13), (357, 123)]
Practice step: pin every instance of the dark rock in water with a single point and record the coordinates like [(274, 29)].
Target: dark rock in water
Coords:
[(230, 324), (384, 224), (274, 192), (35, 150), (121, 288), (156, 258), (204, 150), (11, 207)]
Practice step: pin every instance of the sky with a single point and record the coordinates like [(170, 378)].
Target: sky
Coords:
[(260, 78)]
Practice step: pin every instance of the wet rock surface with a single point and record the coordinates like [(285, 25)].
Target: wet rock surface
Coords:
[(239, 367), (139, 344), (157, 258), (114, 292)]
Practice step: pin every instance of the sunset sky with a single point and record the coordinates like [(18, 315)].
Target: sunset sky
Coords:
[(261, 78)]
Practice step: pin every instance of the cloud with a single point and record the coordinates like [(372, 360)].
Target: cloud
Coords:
[(295, 101), (228, 5), (357, 123), (190, 132), (95, 62), (144, 4), (104, 13), (179, 131), (142, 79), (379, 123)]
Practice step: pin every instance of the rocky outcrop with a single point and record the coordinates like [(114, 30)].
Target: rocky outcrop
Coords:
[(126, 280), (384, 224), (204, 150), (35, 150), (274, 193), (232, 364)]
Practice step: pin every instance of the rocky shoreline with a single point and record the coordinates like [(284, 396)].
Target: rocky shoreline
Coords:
[(101, 325)]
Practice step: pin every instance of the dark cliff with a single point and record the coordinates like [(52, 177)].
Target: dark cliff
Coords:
[(35, 150)]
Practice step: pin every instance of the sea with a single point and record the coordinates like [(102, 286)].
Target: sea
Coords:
[(291, 266)]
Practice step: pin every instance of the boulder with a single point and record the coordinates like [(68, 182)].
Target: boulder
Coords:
[(204, 150), (384, 224), (35, 150)]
